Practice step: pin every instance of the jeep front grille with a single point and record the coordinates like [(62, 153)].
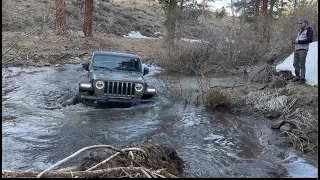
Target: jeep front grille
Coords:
[(114, 88)]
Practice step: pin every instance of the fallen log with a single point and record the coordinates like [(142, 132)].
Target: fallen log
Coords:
[(89, 174)]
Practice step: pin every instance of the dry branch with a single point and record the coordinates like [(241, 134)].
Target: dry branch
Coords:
[(146, 156), (77, 153), (115, 155)]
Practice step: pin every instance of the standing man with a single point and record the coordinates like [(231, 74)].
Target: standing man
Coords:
[(302, 41)]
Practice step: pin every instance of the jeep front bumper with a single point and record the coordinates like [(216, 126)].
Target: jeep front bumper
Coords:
[(113, 101)]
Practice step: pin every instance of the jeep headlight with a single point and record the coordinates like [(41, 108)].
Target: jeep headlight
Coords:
[(100, 84), (138, 87)]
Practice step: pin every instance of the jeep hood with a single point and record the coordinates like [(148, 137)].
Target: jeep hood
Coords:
[(117, 75)]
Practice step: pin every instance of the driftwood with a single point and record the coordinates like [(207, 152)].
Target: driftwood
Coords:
[(84, 149), (88, 174), (98, 170)]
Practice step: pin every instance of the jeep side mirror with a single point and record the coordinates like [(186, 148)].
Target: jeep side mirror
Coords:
[(85, 66), (145, 71)]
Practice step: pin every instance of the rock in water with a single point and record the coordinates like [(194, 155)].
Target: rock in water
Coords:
[(273, 114), (286, 127), (277, 124)]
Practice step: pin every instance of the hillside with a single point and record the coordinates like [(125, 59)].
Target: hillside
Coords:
[(111, 17)]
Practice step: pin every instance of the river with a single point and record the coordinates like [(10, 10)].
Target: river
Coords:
[(37, 131)]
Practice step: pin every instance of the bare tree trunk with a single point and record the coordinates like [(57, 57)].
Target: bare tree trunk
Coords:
[(80, 4), (265, 31), (256, 8), (265, 7), (256, 15), (272, 3), (60, 17), (232, 11), (88, 16), (179, 21), (178, 29), (295, 5), (171, 22), (280, 8), (269, 20), (204, 4)]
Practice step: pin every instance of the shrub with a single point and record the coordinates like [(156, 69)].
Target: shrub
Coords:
[(217, 97), (262, 74)]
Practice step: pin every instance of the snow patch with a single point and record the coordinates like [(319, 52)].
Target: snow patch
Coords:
[(311, 64), (300, 169), (137, 34)]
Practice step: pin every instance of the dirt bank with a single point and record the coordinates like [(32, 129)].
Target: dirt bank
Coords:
[(49, 49), (114, 17), (291, 110)]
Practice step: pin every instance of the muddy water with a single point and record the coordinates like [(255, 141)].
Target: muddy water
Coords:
[(38, 131)]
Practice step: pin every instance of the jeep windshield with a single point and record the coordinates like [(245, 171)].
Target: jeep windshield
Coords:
[(116, 62)]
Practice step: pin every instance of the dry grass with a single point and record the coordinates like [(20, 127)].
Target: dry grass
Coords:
[(72, 48), (31, 24), (304, 136), (296, 105), (217, 97), (267, 100), (182, 90), (305, 95), (232, 44), (109, 17), (188, 58)]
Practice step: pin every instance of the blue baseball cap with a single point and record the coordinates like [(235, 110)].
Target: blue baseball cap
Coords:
[(303, 20)]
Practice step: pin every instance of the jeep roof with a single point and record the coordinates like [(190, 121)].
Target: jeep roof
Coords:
[(115, 54)]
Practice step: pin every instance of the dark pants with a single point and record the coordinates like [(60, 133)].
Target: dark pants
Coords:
[(299, 63)]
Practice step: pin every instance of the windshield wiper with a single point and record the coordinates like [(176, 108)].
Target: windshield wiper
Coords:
[(126, 69), (101, 67)]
